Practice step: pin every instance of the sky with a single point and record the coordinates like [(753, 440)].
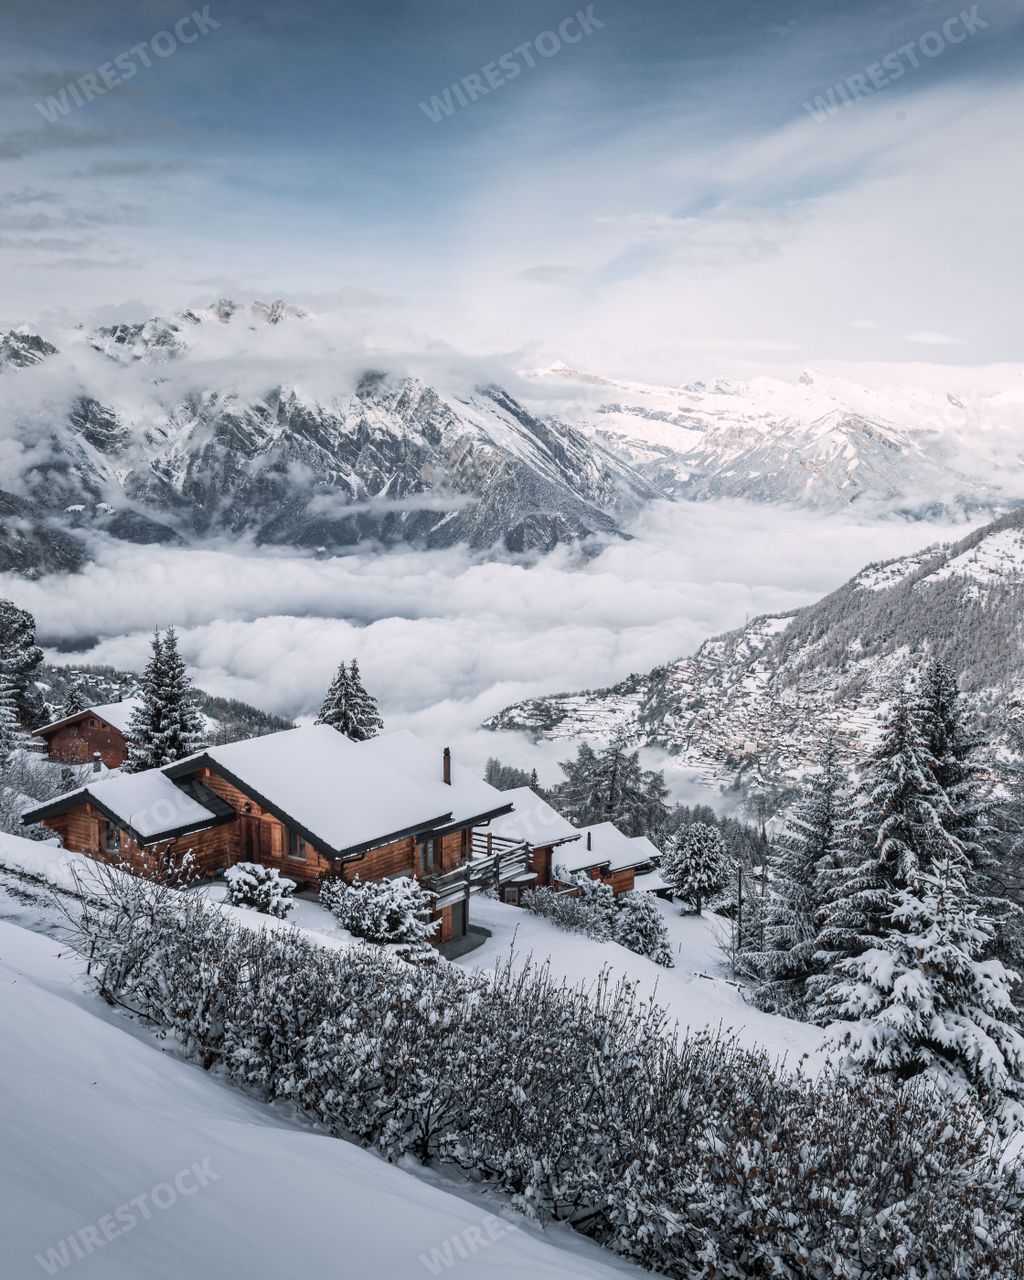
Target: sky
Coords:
[(651, 197)]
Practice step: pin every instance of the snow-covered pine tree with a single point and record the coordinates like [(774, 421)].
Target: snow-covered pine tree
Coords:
[(804, 862), (168, 725), (74, 700), (696, 864), (21, 657), (639, 925), (896, 833), (11, 734), (366, 721), (578, 797), (611, 786), (922, 1000), (336, 709), (954, 752)]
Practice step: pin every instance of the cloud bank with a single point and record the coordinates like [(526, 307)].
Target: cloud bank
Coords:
[(444, 638)]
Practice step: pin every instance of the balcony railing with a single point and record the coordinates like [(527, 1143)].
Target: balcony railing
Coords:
[(493, 861)]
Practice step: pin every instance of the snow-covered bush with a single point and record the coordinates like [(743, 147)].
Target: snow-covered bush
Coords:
[(639, 926), (588, 908), (259, 888), (688, 1155), (631, 919), (385, 911)]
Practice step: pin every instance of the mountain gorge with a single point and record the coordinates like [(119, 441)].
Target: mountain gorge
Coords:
[(246, 422), (752, 706)]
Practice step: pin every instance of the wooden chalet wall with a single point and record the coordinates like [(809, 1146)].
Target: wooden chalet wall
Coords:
[(258, 836), (212, 849), (623, 881), (76, 743)]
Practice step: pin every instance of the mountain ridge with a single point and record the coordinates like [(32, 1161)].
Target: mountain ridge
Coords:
[(753, 705)]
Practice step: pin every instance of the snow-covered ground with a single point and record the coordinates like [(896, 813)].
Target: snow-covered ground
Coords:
[(131, 1164), (695, 992)]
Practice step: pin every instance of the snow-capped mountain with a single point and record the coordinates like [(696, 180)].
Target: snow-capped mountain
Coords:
[(820, 441), (248, 421), (756, 703)]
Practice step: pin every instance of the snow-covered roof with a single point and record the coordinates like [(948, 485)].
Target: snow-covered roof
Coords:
[(344, 794), (467, 796), (533, 820), (607, 846), (116, 714), (147, 804)]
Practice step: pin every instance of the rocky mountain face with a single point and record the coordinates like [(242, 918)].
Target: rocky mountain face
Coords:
[(754, 705), (181, 430), (821, 442)]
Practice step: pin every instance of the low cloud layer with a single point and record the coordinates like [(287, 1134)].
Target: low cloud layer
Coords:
[(445, 639)]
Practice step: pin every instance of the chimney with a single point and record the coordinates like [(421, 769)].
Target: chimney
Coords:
[(590, 842), (97, 762), (446, 766)]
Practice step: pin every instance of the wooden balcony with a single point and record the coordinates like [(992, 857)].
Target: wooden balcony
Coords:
[(493, 861)]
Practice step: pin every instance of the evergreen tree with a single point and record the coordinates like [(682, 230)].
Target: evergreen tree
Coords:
[(695, 867), (21, 658), (74, 701), (336, 709), (168, 725), (804, 863), (923, 1000), (366, 721), (348, 707), (579, 797), (953, 751), (11, 735), (898, 832), (640, 926), (611, 786)]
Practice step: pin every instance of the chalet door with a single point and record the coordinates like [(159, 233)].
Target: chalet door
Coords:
[(249, 839), (460, 918)]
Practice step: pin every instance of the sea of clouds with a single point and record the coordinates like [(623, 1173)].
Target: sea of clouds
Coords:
[(445, 638)]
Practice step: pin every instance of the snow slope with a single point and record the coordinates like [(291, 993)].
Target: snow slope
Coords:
[(696, 992), (95, 1114)]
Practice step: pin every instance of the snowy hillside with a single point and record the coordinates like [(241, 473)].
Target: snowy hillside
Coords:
[(821, 441), (153, 1170), (256, 422), (756, 702), (259, 1193)]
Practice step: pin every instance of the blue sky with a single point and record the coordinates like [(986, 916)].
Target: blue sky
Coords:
[(652, 198)]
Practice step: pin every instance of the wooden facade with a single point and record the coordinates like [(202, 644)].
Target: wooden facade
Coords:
[(621, 881), (78, 740), (257, 835)]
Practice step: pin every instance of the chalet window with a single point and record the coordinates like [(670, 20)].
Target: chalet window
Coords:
[(296, 846), (512, 895), (110, 837), (92, 724), (428, 855)]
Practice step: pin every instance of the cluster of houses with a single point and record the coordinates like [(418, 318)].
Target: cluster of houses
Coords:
[(313, 803)]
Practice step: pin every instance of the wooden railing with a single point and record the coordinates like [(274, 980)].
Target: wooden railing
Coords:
[(493, 861)]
